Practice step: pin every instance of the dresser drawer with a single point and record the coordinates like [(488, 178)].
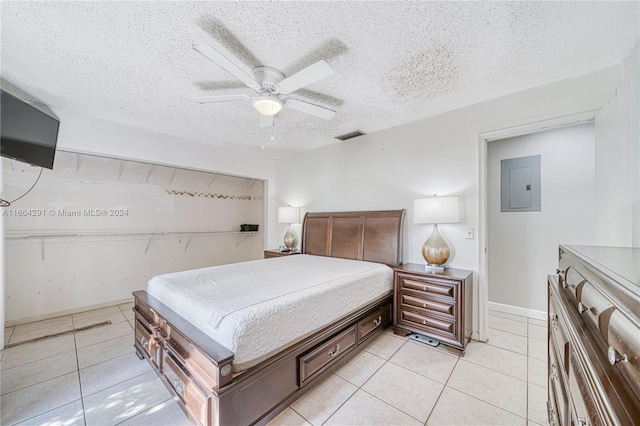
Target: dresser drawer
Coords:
[(447, 309), (149, 343), (326, 354), (557, 386), (584, 410), (191, 395), (623, 338), (558, 330), (371, 323), (423, 321), (432, 286)]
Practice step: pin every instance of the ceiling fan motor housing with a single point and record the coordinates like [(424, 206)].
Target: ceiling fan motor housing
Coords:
[(267, 77)]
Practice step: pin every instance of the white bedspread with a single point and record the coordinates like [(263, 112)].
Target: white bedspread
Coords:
[(257, 308)]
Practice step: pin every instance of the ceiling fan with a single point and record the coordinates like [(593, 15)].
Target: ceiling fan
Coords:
[(269, 84)]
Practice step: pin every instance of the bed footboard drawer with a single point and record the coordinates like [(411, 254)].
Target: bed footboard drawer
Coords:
[(326, 354), (373, 322), (149, 343), (191, 395)]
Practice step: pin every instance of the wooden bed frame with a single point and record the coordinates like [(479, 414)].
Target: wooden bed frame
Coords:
[(198, 370)]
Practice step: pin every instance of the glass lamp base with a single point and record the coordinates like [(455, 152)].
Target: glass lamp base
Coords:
[(435, 250), (289, 238)]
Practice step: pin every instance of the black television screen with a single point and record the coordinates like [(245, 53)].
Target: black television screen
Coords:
[(28, 134)]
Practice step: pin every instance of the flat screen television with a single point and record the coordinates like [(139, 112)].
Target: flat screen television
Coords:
[(28, 134)]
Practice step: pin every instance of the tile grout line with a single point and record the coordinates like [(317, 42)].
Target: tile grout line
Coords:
[(84, 412), (441, 392)]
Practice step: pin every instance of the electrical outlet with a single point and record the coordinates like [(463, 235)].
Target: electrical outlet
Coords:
[(469, 234)]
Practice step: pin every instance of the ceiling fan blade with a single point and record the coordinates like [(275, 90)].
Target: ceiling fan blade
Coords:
[(317, 110), (305, 77), (217, 58), (266, 120), (220, 98)]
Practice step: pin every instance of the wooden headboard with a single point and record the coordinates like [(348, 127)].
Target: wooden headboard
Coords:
[(374, 236)]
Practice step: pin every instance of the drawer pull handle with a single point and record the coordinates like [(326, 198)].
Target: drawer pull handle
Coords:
[(179, 387), (554, 321), (144, 342), (424, 322), (377, 321), (615, 357), (582, 308), (334, 352), (554, 371), (424, 288)]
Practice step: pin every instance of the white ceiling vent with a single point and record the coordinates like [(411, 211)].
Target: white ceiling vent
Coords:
[(350, 135)]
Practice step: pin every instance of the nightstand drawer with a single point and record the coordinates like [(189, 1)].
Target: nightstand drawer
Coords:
[(428, 323), (419, 301), (435, 287)]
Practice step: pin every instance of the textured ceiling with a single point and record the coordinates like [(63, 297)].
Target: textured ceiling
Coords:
[(394, 62)]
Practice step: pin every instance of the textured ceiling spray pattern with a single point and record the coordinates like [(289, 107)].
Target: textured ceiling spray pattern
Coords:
[(394, 62)]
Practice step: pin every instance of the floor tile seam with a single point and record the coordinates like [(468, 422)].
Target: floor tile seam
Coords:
[(374, 373), (487, 402), (444, 386), (104, 341), (142, 412), (393, 406), (500, 372), (45, 412), (514, 334), (390, 356), (36, 360), (115, 384), (117, 337), (305, 419), (84, 412), (39, 383), (491, 368), (507, 349), (417, 372)]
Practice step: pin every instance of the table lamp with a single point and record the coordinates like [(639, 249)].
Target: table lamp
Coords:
[(436, 210), (289, 215)]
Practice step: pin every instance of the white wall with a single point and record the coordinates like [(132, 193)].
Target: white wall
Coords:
[(523, 245), (618, 162), (68, 273), (437, 155)]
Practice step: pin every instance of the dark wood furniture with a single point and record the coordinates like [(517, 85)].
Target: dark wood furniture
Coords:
[(436, 305), (198, 370), (268, 254), (594, 337)]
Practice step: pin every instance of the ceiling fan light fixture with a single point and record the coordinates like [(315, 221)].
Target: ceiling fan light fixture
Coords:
[(267, 105)]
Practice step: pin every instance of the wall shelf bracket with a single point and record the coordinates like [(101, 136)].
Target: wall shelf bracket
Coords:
[(148, 244)]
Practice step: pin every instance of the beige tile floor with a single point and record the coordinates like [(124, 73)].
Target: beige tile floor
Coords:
[(94, 378)]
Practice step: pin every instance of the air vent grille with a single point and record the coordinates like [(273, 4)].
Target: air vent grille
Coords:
[(350, 135)]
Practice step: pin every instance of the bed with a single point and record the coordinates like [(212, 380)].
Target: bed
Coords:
[(244, 360)]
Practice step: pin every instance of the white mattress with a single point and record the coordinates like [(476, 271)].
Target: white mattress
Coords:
[(257, 308)]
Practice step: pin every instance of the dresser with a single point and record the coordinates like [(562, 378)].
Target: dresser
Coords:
[(436, 305), (594, 337)]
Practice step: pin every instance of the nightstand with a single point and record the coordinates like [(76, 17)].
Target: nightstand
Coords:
[(268, 254), (434, 305)]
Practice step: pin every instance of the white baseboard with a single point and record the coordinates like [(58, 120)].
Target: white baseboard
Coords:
[(21, 321), (516, 310)]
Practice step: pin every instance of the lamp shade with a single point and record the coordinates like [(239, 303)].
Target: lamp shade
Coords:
[(288, 214), (436, 210)]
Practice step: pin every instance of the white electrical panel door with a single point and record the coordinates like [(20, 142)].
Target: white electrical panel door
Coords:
[(520, 184)]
